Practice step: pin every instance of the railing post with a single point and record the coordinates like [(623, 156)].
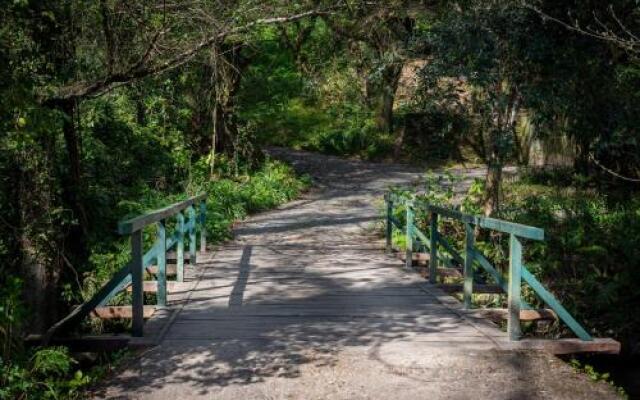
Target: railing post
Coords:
[(409, 236), (161, 241), (203, 229), (389, 225), (515, 279), (433, 255), (180, 248), (137, 294), (468, 265), (192, 236)]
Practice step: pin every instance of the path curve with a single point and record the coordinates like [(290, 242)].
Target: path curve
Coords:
[(304, 304)]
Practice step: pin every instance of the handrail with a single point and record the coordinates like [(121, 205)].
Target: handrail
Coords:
[(134, 224), (473, 257), (524, 231), (132, 273)]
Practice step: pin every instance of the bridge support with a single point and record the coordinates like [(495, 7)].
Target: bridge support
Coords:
[(515, 282), (409, 236), (137, 294)]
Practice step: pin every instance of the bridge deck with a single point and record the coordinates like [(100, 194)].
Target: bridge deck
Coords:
[(302, 305)]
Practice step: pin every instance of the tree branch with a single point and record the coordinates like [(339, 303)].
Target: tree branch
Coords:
[(143, 69)]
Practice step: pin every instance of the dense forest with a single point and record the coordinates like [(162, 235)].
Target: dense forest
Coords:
[(110, 107)]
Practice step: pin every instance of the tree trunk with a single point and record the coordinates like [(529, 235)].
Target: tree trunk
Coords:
[(38, 266), (493, 183), (72, 186), (390, 80)]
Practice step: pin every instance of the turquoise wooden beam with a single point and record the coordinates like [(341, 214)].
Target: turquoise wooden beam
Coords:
[(468, 266), (433, 254), (389, 225), (409, 237), (487, 266), (449, 248), (180, 247), (203, 226), (81, 312), (161, 234), (555, 305), (137, 294), (515, 282), (191, 212), (137, 223)]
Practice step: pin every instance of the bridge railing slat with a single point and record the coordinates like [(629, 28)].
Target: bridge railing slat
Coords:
[(437, 243), (133, 273)]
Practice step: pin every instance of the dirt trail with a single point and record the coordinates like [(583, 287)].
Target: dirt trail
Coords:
[(304, 304)]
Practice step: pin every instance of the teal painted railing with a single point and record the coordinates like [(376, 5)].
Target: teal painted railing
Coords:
[(473, 258), (132, 274)]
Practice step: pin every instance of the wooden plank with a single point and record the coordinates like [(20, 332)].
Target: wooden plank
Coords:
[(442, 271), (409, 238), (515, 282), (520, 230), (421, 237), (456, 256), (172, 287), (180, 256), (137, 295), (389, 225), (172, 257), (161, 276), (433, 247), (524, 231), (191, 228), (500, 314), (397, 223), (137, 223), (468, 265), (416, 258), (458, 288), (567, 346), (121, 312), (203, 227), (171, 270), (484, 263)]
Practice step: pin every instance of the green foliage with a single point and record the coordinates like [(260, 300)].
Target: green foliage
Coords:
[(319, 111), (596, 376), (587, 258), (233, 198), (11, 317), (48, 374)]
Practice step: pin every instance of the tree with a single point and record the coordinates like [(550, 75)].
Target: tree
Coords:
[(385, 31)]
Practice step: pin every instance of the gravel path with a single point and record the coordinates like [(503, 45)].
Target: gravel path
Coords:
[(304, 304)]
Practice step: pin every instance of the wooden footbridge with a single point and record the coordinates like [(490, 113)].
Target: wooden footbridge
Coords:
[(309, 291)]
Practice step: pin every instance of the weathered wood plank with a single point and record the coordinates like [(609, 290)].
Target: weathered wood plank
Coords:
[(500, 314), (172, 287), (417, 258), (459, 288), (123, 312), (567, 346)]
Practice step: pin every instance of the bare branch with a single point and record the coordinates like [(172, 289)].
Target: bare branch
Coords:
[(631, 43)]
